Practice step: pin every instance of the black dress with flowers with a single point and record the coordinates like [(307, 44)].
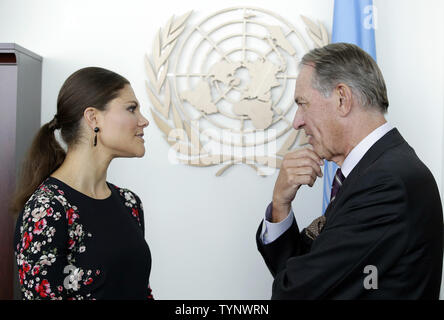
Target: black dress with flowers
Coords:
[(70, 246)]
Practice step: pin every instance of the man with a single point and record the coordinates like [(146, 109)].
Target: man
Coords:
[(381, 236)]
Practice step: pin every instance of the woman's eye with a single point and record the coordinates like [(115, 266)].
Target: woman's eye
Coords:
[(132, 108)]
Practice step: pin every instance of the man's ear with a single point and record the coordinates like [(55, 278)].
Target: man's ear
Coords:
[(91, 117), (345, 99)]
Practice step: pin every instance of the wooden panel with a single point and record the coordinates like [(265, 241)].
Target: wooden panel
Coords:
[(8, 98), (8, 58)]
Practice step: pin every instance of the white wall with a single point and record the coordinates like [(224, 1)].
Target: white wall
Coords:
[(410, 53), (409, 46), (201, 229)]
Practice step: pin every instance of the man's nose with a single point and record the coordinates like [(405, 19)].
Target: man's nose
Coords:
[(298, 121)]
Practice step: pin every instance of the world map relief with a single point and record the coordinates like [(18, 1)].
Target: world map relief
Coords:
[(256, 100)]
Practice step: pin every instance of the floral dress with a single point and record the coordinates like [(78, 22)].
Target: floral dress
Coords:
[(70, 246)]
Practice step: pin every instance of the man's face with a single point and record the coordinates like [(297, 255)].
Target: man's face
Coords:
[(316, 115)]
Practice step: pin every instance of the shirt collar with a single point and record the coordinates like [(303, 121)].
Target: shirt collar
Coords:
[(360, 150)]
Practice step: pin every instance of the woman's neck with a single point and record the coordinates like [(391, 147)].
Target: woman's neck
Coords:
[(85, 170)]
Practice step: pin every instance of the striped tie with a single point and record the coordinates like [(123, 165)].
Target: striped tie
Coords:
[(337, 184), (315, 228)]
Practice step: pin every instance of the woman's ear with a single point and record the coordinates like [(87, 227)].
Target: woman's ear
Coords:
[(90, 115)]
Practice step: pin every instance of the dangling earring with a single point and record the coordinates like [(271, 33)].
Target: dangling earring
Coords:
[(95, 136)]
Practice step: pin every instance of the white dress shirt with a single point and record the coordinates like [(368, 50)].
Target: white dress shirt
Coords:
[(271, 231)]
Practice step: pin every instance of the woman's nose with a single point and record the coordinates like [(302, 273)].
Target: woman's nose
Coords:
[(144, 122)]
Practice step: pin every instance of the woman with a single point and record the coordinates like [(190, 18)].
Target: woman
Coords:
[(77, 235)]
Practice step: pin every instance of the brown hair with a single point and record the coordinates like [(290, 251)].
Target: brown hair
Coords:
[(88, 87)]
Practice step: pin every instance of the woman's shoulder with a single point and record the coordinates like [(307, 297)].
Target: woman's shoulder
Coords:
[(45, 210), (47, 194), (131, 200), (130, 197)]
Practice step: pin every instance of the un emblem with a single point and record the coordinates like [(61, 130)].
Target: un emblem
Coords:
[(222, 90)]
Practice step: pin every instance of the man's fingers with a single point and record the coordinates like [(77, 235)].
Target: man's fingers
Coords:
[(307, 180), (304, 175), (302, 162), (303, 153)]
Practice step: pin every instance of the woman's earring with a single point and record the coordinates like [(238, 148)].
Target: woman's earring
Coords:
[(95, 136)]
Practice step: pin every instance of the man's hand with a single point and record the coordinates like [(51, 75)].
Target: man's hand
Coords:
[(299, 167)]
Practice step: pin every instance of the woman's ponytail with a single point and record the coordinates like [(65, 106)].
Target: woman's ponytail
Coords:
[(44, 157)]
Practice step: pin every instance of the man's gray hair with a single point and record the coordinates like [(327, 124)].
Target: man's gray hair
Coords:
[(347, 63)]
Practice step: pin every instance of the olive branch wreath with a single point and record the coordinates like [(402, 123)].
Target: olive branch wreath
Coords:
[(180, 136)]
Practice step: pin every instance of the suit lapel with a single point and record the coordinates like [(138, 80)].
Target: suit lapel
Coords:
[(390, 140)]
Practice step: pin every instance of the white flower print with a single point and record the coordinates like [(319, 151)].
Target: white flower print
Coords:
[(61, 199), (57, 216), (79, 230), (47, 259), (38, 213), (28, 294), (26, 213), (131, 200), (51, 232), (20, 259), (43, 199), (36, 247)]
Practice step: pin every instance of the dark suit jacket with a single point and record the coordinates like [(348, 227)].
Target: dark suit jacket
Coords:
[(387, 214)]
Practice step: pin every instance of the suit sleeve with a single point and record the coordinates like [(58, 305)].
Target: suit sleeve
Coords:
[(291, 243), (368, 229)]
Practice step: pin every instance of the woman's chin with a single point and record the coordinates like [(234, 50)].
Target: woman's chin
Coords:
[(134, 152), (140, 153)]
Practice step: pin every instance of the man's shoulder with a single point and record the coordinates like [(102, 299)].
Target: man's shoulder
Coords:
[(403, 163), (400, 168)]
